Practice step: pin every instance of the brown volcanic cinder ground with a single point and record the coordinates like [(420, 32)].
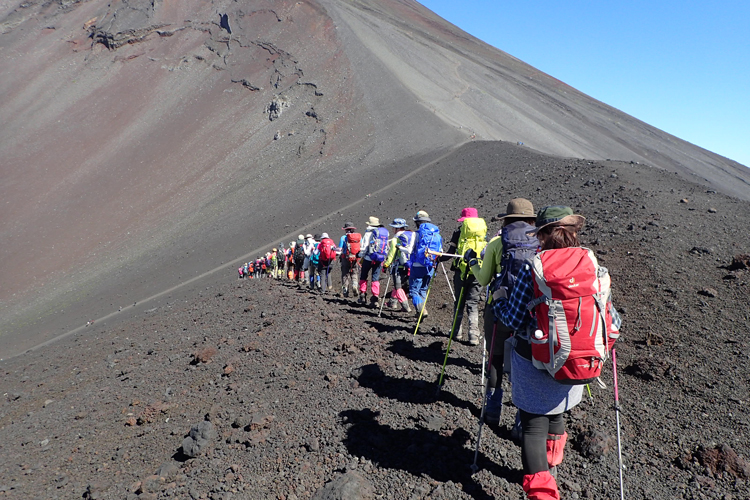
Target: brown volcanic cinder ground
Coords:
[(147, 143), (304, 389)]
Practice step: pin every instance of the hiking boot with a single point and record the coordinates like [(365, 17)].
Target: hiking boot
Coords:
[(345, 292), (460, 334), (405, 307), (473, 338), (374, 302), (494, 407), (393, 304), (361, 299)]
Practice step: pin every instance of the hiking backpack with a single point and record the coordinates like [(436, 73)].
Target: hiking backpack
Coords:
[(353, 245), (428, 238), (314, 255), (473, 235), (574, 315), (280, 257), (405, 239), (327, 250), (378, 250), (519, 248), (299, 255)]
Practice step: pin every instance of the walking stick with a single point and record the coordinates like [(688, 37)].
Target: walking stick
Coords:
[(385, 293), (450, 287), (617, 415), (459, 306), (474, 466)]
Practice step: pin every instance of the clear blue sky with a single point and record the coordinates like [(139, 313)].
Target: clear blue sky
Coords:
[(681, 66)]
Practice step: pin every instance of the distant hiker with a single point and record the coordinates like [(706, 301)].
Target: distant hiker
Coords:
[(350, 244), (471, 234), (397, 263), (503, 258), (289, 259), (241, 270), (314, 276), (422, 264), (373, 253), (258, 267), (327, 254), (300, 258), (309, 248), (251, 269), (582, 332), (274, 267), (280, 260)]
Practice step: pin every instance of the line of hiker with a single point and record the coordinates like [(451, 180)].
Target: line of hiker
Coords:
[(548, 318), (270, 265)]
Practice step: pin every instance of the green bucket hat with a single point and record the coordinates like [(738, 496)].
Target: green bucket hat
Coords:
[(558, 215)]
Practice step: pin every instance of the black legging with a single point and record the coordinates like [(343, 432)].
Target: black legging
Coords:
[(534, 448), (501, 333)]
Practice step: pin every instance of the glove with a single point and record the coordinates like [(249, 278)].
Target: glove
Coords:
[(469, 255), (360, 254), (473, 262), (500, 293)]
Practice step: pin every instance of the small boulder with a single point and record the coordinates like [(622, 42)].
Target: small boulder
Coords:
[(350, 486), (199, 440)]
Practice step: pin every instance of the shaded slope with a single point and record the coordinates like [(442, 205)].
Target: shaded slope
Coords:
[(148, 142)]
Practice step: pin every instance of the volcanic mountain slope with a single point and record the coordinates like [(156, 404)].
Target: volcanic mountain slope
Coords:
[(144, 138), (302, 389)]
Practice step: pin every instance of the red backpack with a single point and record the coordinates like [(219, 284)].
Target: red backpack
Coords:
[(327, 249), (573, 310), (353, 245)]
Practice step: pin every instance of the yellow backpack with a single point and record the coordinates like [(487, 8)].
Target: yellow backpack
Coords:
[(473, 235)]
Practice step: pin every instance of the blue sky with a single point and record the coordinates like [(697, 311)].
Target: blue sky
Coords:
[(681, 66)]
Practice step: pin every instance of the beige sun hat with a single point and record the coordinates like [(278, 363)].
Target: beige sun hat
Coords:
[(373, 221)]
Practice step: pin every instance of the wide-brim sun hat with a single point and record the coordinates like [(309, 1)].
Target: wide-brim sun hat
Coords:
[(398, 223), (519, 207), (422, 216), (300, 237), (308, 235), (373, 221), (348, 225), (468, 212), (558, 215), (324, 235)]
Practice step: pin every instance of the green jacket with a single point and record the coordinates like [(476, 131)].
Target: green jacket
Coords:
[(490, 267), (392, 251)]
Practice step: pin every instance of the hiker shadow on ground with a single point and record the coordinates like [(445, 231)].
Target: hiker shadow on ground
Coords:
[(438, 453), (407, 390), (433, 353), (386, 327)]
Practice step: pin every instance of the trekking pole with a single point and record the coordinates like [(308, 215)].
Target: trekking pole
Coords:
[(474, 466), (385, 294), (421, 311), (617, 415), (450, 287), (443, 254), (459, 306)]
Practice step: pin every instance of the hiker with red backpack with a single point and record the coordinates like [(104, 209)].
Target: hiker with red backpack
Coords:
[(421, 263), (502, 259), (350, 244), (471, 234), (397, 263), (373, 253), (560, 346), (326, 256)]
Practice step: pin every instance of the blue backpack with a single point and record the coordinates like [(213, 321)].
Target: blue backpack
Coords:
[(378, 250), (428, 237), (519, 248)]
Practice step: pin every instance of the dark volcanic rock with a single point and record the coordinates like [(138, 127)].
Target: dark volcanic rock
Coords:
[(200, 439)]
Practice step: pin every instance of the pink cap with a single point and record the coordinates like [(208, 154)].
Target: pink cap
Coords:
[(468, 212)]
